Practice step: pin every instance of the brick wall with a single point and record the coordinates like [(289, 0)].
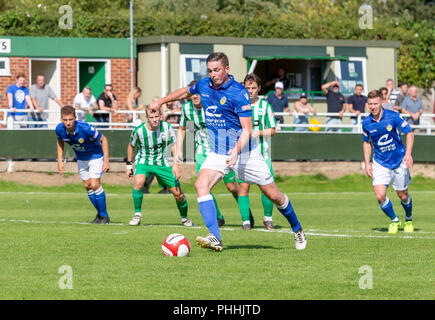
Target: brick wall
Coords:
[(120, 77), (68, 80)]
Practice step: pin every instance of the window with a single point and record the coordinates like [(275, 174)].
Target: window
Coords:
[(351, 73), (193, 67), (4, 67)]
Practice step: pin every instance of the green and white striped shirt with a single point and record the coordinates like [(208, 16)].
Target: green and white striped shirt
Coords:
[(263, 118), (190, 113), (152, 145)]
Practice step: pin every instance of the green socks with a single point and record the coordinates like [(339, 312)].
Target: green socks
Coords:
[(243, 202), (137, 200), (267, 206), (182, 208), (219, 214)]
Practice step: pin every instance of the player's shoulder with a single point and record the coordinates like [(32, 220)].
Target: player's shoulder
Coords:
[(367, 120), (390, 114), (139, 127), (166, 125), (60, 128)]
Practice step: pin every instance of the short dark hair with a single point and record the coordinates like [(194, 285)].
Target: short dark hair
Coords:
[(359, 85), (67, 110), (374, 94), (108, 85), (383, 89), (252, 77), (404, 83), (218, 56)]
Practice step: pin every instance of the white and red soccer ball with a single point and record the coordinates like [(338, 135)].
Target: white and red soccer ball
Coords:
[(176, 245)]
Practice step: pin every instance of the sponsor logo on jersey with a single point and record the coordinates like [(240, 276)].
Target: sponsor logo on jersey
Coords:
[(389, 127), (81, 140), (247, 107), (383, 140), (404, 124), (223, 100), (211, 112), (19, 95)]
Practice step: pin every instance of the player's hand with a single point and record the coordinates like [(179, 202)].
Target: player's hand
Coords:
[(408, 160), (60, 168), (255, 134), (40, 110), (340, 114), (129, 174), (105, 166), (369, 170), (178, 157), (231, 161)]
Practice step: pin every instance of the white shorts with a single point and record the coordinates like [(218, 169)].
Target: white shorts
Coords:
[(399, 178), (90, 169), (250, 168)]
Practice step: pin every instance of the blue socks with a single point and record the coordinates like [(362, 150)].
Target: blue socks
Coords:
[(387, 207), (287, 211), (408, 208), (209, 214), (91, 195), (100, 201)]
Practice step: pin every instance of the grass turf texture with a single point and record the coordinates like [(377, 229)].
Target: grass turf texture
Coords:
[(44, 228)]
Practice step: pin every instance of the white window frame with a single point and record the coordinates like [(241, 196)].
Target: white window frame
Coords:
[(364, 70), (107, 68), (6, 72), (183, 65)]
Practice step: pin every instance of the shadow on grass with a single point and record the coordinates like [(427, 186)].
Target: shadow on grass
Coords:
[(386, 229), (250, 246)]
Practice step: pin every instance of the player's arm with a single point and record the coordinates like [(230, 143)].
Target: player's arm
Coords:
[(367, 150), (175, 166), (60, 166), (181, 134), (179, 94), (129, 166), (408, 154), (105, 147), (246, 124)]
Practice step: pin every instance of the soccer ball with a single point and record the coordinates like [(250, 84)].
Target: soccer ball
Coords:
[(176, 245)]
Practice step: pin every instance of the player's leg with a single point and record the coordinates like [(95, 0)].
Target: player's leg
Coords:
[(207, 179), (166, 178), (233, 187), (91, 196), (381, 180), (137, 193), (95, 172), (243, 201), (199, 160), (267, 204), (401, 178)]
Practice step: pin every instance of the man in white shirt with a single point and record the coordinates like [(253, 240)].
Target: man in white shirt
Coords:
[(85, 101)]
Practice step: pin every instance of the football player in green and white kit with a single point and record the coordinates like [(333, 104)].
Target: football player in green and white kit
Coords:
[(263, 127), (193, 111), (151, 139)]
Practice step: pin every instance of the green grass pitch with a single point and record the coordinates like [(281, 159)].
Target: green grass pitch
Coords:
[(44, 228)]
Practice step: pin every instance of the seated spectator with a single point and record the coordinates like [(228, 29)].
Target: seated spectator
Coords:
[(40, 93), (412, 106), (335, 104), (386, 104), (302, 109), (278, 100), (18, 96), (86, 102), (280, 76), (357, 104), (106, 102), (132, 105), (401, 96)]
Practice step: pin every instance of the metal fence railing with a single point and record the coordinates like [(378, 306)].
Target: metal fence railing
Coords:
[(426, 125)]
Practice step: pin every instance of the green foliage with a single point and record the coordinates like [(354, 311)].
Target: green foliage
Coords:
[(410, 22)]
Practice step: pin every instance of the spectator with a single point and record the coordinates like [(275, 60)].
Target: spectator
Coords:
[(85, 101), (280, 76), (168, 111), (39, 93), (386, 104), (412, 106), (357, 104), (18, 96), (278, 100), (335, 103), (402, 95), (302, 109), (393, 92), (106, 102), (132, 105)]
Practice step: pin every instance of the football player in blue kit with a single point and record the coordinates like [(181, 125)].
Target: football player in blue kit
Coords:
[(391, 161), (92, 153), (228, 120)]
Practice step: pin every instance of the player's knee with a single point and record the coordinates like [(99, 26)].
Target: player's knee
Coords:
[(381, 197), (179, 197), (87, 185), (95, 185), (201, 185)]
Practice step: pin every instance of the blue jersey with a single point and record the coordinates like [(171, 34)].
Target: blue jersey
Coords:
[(18, 97), (222, 109), (385, 138), (84, 141)]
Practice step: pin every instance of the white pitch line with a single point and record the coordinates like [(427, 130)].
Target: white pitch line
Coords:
[(324, 233)]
